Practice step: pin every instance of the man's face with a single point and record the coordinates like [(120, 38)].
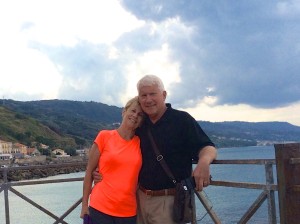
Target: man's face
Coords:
[(152, 101)]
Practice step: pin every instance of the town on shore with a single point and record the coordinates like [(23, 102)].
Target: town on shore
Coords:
[(17, 154)]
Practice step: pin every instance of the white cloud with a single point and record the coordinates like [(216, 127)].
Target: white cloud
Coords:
[(91, 49), (156, 62), (289, 8), (52, 23), (65, 22), (30, 73)]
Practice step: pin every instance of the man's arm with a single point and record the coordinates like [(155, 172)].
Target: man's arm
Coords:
[(201, 172)]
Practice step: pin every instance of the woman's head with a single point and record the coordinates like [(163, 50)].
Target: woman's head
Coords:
[(134, 100), (132, 113)]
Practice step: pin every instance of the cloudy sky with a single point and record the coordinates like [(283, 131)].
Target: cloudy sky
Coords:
[(219, 60)]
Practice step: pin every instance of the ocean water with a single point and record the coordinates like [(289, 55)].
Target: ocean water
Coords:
[(228, 203)]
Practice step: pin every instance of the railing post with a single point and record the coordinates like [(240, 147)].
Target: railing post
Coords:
[(6, 196), (271, 195), (194, 219), (288, 176)]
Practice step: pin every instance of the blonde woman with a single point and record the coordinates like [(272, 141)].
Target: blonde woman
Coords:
[(117, 155)]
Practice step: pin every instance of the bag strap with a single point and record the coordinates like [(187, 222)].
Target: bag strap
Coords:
[(160, 158)]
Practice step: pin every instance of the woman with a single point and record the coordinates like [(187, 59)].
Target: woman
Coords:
[(117, 154)]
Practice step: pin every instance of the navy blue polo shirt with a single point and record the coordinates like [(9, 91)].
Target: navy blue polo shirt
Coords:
[(179, 139)]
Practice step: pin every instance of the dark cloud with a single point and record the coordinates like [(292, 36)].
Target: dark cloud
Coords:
[(246, 52), (241, 53), (140, 40)]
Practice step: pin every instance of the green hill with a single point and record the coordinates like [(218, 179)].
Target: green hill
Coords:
[(74, 124), (17, 127), (239, 133), (75, 120)]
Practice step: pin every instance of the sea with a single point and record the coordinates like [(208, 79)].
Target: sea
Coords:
[(230, 204)]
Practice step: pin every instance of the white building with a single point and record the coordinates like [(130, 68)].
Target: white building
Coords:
[(5, 156), (5, 147)]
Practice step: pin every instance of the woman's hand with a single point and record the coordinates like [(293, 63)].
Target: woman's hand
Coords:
[(84, 210)]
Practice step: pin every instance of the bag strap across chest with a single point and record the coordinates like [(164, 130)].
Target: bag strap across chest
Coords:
[(160, 158)]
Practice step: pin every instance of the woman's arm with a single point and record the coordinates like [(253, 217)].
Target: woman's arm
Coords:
[(94, 156)]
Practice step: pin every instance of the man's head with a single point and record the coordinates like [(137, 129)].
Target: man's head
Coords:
[(152, 96), (150, 80)]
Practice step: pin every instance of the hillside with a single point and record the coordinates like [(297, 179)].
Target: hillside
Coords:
[(17, 127), (238, 133), (73, 119), (66, 123)]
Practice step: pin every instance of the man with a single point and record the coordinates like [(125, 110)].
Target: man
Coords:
[(179, 139)]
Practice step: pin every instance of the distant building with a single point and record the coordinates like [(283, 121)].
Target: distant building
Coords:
[(5, 156), (19, 148), (33, 152), (42, 146), (5, 147), (82, 152), (60, 153), (18, 155), (5, 150)]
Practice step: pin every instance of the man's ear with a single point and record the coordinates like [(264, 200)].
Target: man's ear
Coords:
[(165, 94)]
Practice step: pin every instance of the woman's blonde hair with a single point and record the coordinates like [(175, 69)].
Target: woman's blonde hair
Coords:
[(132, 101)]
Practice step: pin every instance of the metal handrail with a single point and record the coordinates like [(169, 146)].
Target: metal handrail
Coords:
[(267, 189), (8, 186)]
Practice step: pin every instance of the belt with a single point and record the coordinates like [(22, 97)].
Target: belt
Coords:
[(163, 192)]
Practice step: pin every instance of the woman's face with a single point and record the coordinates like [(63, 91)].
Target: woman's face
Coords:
[(133, 116)]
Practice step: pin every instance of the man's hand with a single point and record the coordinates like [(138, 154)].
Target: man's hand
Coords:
[(202, 176), (202, 173), (97, 177)]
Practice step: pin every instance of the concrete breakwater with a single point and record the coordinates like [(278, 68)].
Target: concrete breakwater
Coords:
[(41, 171)]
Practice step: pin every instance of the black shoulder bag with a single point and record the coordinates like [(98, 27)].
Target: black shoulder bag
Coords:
[(183, 199)]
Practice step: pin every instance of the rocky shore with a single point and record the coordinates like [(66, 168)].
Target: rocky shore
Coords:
[(41, 171)]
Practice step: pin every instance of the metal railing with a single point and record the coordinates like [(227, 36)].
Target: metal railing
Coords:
[(268, 189), (267, 193), (9, 186)]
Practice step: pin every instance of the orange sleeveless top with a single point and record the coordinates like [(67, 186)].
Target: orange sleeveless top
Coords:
[(119, 163)]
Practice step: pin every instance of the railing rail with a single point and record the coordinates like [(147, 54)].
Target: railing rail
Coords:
[(267, 193), (9, 186), (268, 188)]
